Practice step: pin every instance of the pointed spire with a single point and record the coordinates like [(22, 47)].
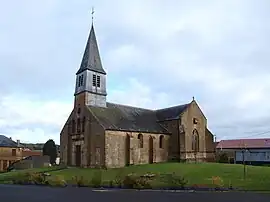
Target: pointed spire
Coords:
[(91, 58)]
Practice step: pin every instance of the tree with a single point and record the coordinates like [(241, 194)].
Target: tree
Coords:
[(50, 150), (223, 158)]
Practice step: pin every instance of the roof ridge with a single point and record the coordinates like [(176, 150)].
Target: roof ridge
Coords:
[(131, 106), (172, 107)]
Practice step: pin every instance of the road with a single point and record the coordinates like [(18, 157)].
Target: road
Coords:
[(11, 193)]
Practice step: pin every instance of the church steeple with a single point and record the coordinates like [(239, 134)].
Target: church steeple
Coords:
[(91, 58), (91, 77)]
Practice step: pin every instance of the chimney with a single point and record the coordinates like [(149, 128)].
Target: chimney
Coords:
[(18, 143)]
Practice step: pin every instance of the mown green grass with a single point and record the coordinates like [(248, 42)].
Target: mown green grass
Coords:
[(257, 178), (8, 176)]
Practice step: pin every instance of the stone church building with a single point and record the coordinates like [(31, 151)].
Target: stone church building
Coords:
[(98, 133)]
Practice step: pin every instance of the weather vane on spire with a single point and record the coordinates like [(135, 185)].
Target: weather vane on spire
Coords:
[(92, 12)]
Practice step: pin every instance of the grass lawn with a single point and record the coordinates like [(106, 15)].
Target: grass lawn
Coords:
[(7, 176), (257, 178)]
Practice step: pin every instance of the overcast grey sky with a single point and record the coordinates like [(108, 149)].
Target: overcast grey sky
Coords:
[(156, 53)]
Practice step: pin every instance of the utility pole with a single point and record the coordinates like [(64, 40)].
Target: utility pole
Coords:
[(244, 160), (214, 147)]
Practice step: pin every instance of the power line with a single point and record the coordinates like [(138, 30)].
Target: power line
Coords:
[(254, 135), (257, 134)]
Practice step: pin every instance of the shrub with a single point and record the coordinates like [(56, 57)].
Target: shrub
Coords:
[(217, 181), (57, 181), (22, 178), (173, 181), (38, 179), (129, 182), (135, 182), (223, 158), (96, 180), (30, 178), (80, 181), (143, 183), (117, 181)]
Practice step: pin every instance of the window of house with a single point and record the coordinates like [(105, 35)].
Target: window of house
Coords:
[(79, 110), (13, 152), (83, 124), (78, 125), (94, 80), (98, 81), (140, 138), (161, 141), (73, 126)]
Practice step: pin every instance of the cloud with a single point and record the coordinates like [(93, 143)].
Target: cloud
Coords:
[(156, 54), (138, 94), (31, 120)]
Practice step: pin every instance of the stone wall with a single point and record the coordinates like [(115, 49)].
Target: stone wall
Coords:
[(32, 162), (193, 111), (91, 140), (65, 140), (96, 142), (118, 154), (210, 146)]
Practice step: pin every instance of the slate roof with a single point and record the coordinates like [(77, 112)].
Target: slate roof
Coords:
[(171, 112), (7, 142), (121, 117), (91, 58), (248, 143)]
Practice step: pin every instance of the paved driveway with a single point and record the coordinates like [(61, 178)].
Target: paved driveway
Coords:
[(11, 193)]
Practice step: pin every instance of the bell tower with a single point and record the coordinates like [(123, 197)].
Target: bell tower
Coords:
[(90, 86)]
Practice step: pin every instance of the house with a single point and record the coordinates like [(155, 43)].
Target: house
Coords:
[(99, 133), (10, 152), (250, 151)]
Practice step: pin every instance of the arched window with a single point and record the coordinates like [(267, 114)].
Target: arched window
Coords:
[(78, 125), (161, 141), (195, 141), (140, 139), (83, 124)]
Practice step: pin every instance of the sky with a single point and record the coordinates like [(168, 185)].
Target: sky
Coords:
[(156, 53)]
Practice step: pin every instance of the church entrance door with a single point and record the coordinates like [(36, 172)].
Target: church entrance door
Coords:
[(78, 155), (127, 150), (151, 150)]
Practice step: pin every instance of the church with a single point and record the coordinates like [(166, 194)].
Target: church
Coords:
[(101, 134)]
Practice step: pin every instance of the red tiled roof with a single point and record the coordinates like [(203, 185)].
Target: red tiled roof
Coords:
[(31, 153), (247, 143)]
